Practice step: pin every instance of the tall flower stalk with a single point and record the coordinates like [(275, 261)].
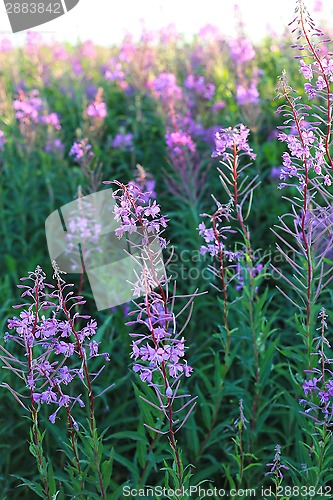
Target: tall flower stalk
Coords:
[(53, 345), (158, 348), (232, 145), (307, 169)]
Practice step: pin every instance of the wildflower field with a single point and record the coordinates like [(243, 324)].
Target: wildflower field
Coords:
[(206, 373)]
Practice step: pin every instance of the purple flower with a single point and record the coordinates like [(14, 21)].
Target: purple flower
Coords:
[(65, 375), (48, 397), (310, 90), (90, 329), (187, 370), (97, 109), (3, 140), (179, 141), (306, 70), (65, 328), (228, 138), (165, 87), (123, 141), (81, 150), (64, 348), (329, 388), (199, 86), (56, 146), (115, 71), (152, 210), (218, 106), (45, 368), (247, 95), (241, 50), (52, 418), (327, 180), (51, 119), (276, 466), (310, 386), (28, 107), (48, 328), (93, 346), (146, 375), (320, 83), (64, 400)]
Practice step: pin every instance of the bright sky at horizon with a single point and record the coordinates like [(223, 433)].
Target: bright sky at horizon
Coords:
[(106, 22)]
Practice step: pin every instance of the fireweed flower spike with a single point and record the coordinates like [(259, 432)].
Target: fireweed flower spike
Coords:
[(318, 390), (307, 168), (55, 350), (81, 151), (97, 110), (276, 467), (158, 345), (316, 67), (231, 144), (237, 262)]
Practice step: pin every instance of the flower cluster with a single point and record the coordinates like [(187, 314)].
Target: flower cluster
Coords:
[(229, 138), (276, 465), (319, 388), (116, 72), (217, 106), (210, 32), (54, 346), (308, 148), (55, 145), (160, 349), (252, 271), (52, 119), (320, 71), (241, 50), (81, 151), (97, 109), (242, 53), (179, 141), (123, 141), (88, 49), (137, 216), (169, 34), (145, 182), (28, 107), (165, 87), (214, 236), (3, 140), (199, 85), (31, 108), (247, 94)]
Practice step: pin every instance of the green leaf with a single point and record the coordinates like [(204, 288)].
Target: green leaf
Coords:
[(106, 468)]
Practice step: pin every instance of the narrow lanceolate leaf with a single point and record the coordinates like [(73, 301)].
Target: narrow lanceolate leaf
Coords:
[(106, 469)]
